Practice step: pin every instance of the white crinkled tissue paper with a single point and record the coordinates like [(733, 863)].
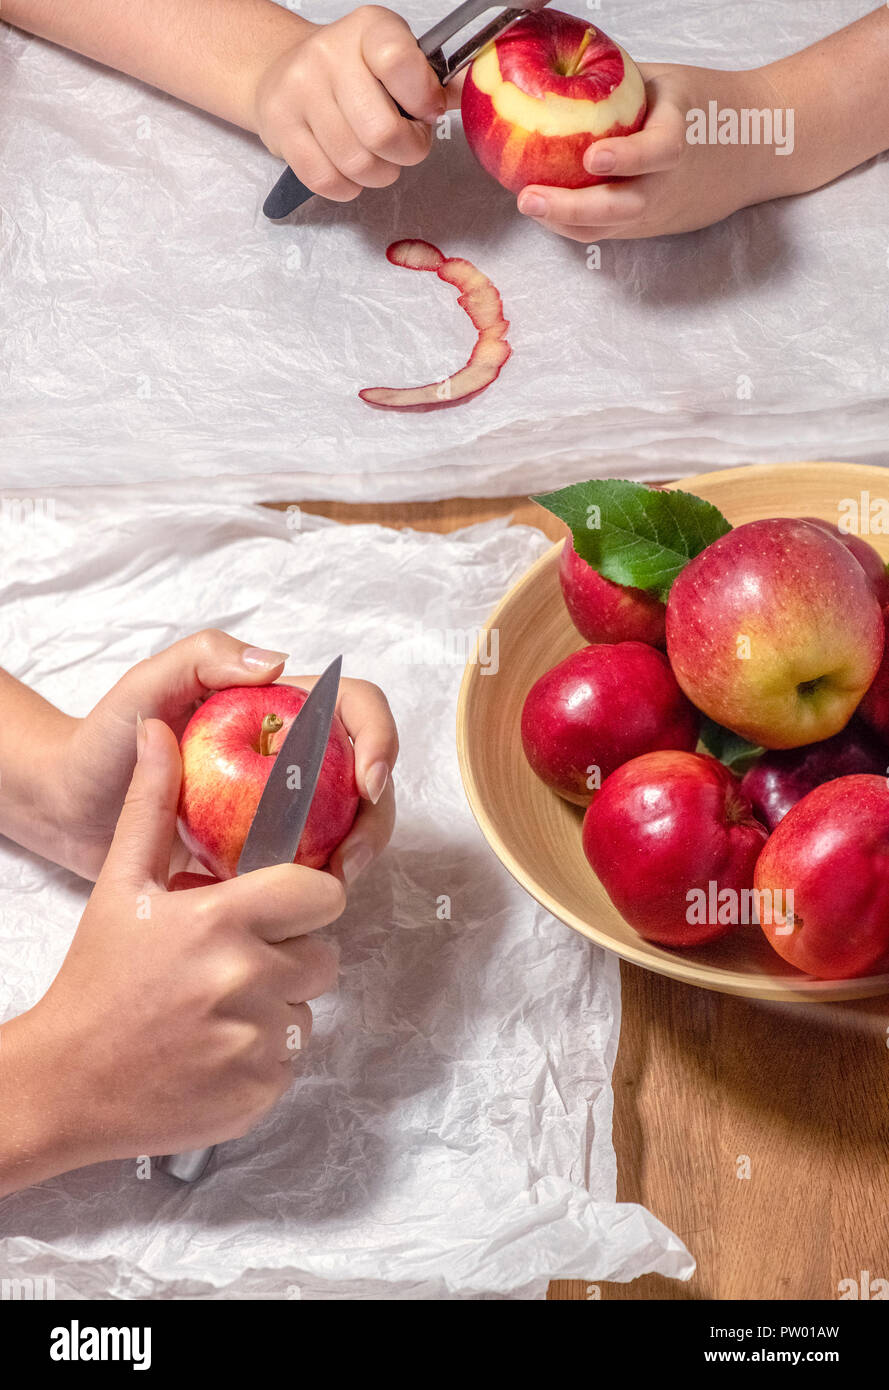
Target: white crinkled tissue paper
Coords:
[(162, 329), (449, 1132)]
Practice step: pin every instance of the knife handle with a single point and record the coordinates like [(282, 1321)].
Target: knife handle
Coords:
[(289, 194), (187, 1167)]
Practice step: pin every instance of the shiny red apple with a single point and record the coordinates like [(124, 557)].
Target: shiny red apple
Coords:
[(831, 852), (778, 780), (535, 99), (597, 709), (673, 841), (228, 748), (606, 612), (774, 632)]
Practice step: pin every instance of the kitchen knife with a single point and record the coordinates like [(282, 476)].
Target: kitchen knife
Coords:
[(288, 193), (278, 824)]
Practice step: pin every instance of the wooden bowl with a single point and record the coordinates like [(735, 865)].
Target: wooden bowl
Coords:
[(536, 834)]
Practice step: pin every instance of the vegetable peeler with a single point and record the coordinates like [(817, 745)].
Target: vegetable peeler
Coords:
[(289, 194)]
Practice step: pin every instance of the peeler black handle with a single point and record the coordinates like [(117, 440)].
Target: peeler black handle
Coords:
[(289, 194)]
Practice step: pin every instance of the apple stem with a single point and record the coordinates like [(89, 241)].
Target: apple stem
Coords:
[(270, 726), (584, 43)]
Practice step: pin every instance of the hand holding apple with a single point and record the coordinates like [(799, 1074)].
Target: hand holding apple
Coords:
[(211, 986), (93, 764), (597, 709), (89, 764), (774, 632), (665, 185)]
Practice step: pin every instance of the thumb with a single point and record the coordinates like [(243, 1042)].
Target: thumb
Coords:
[(166, 686), (146, 828)]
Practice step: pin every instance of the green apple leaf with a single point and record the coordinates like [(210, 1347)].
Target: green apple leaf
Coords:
[(636, 535), (730, 748)]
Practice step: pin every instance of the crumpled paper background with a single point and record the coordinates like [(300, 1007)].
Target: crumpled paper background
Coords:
[(449, 1134), (163, 329)]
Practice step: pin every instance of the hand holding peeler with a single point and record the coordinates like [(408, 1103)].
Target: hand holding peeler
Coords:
[(288, 193)]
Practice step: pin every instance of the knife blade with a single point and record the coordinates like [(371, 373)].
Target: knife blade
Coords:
[(280, 817), (278, 823), (289, 193)]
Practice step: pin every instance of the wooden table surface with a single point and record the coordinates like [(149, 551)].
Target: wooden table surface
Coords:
[(758, 1132)]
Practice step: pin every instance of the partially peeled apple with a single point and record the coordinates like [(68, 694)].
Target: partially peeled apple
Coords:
[(535, 100)]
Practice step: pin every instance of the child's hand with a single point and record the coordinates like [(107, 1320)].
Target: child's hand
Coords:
[(93, 762), (175, 1018), (671, 186), (323, 104)]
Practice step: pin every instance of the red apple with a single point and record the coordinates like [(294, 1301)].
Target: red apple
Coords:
[(606, 612), (673, 841), (831, 851), (481, 301), (778, 780), (535, 99), (226, 760), (774, 632), (597, 709), (870, 561), (874, 708)]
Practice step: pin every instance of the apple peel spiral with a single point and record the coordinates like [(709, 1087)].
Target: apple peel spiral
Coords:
[(481, 301)]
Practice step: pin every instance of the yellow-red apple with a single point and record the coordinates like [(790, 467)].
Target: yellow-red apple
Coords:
[(774, 631)]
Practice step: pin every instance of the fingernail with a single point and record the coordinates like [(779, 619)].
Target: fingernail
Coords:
[(140, 736), (355, 861), (600, 161), (532, 205), (259, 658), (375, 781)]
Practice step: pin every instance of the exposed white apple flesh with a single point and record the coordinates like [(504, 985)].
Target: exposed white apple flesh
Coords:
[(415, 255), (481, 301)]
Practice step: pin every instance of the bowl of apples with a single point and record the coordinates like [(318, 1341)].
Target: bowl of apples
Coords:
[(684, 753)]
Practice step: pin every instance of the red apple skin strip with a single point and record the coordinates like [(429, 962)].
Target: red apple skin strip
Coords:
[(483, 367), (480, 299), (467, 277)]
